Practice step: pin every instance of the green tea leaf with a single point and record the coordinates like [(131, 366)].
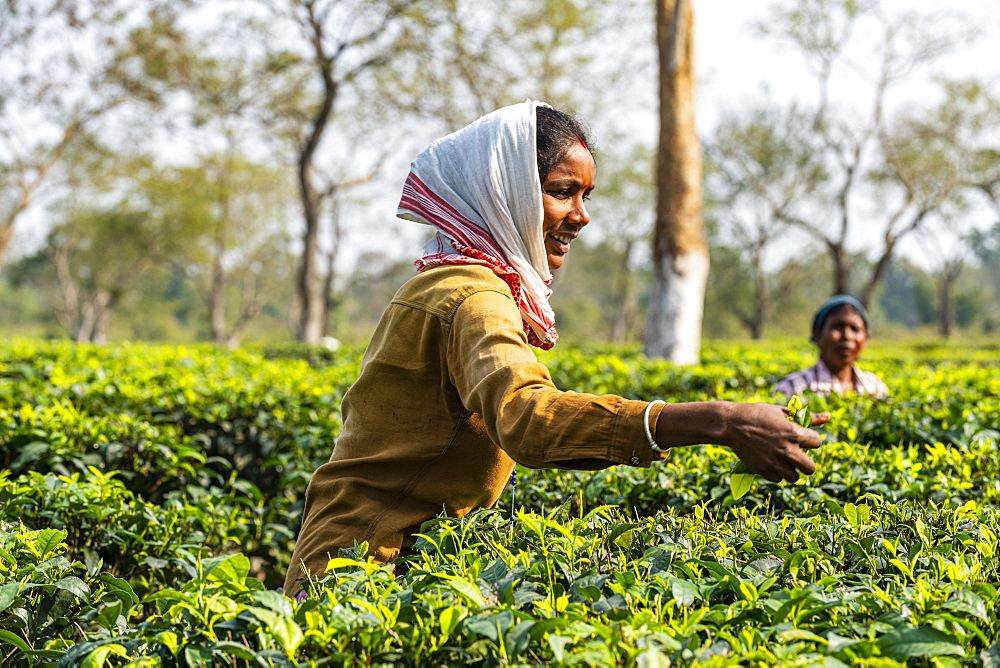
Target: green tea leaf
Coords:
[(924, 641), (484, 625), (119, 588), (75, 586), (684, 591), (274, 601), (237, 650), (467, 590), (450, 617), (835, 643), (48, 541), (8, 594), (740, 479), (851, 514), (517, 639), (558, 644), (227, 568), (54, 607), (288, 633), (967, 603), (15, 640), (197, 656), (28, 454), (99, 656), (740, 484)]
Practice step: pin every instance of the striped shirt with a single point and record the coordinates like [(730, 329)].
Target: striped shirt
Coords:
[(819, 380)]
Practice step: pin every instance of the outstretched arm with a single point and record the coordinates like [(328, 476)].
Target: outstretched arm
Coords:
[(761, 435)]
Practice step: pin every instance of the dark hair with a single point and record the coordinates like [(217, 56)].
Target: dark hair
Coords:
[(556, 131)]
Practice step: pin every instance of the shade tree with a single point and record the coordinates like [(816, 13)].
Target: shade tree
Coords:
[(762, 162), (90, 287), (937, 154), (219, 224), (869, 198), (328, 53), (60, 77), (218, 210), (484, 54)]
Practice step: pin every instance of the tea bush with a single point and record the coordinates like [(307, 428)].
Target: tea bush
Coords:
[(151, 495)]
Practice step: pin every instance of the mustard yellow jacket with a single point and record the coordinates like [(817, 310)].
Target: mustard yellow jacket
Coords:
[(449, 397)]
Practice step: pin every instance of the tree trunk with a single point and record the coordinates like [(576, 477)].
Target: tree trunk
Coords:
[(217, 303), (878, 272), (623, 296), (6, 237), (102, 318), (217, 289), (761, 300), (841, 269), (86, 323), (95, 317), (250, 307), (946, 312), (333, 300), (680, 249), (882, 264), (312, 299), (67, 313), (311, 283)]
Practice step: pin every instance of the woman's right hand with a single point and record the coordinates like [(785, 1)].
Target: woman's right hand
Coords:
[(770, 444), (761, 435)]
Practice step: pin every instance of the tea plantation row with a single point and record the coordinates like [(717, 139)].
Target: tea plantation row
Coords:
[(150, 496)]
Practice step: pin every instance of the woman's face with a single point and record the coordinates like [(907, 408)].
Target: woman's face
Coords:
[(564, 193), (841, 338)]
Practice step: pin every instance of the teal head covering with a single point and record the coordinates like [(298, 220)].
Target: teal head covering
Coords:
[(831, 305)]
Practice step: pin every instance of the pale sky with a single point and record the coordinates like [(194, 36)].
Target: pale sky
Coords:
[(735, 65), (732, 60)]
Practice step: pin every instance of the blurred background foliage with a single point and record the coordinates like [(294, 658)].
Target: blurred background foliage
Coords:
[(197, 170)]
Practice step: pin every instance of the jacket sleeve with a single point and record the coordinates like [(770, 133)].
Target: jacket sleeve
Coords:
[(498, 376)]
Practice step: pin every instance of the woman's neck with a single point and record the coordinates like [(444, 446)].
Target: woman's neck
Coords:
[(844, 375)]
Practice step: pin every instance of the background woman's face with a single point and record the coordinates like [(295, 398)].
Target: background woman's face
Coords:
[(841, 338), (564, 193)]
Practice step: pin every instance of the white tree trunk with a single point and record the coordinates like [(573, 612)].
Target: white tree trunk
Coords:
[(675, 309), (680, 249)]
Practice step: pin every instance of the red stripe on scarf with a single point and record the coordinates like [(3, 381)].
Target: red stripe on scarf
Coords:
[(428, 205), (473, 245)]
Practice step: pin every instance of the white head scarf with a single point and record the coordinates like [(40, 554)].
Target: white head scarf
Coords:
[(479, 187)]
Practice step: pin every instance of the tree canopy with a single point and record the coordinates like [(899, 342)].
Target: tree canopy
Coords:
[(234, 167)]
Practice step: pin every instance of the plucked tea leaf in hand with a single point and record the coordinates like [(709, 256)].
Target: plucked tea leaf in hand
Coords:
[(798, 412), (741, 479)]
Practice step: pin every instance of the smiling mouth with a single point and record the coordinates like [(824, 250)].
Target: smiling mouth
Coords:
[(561, 242)]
